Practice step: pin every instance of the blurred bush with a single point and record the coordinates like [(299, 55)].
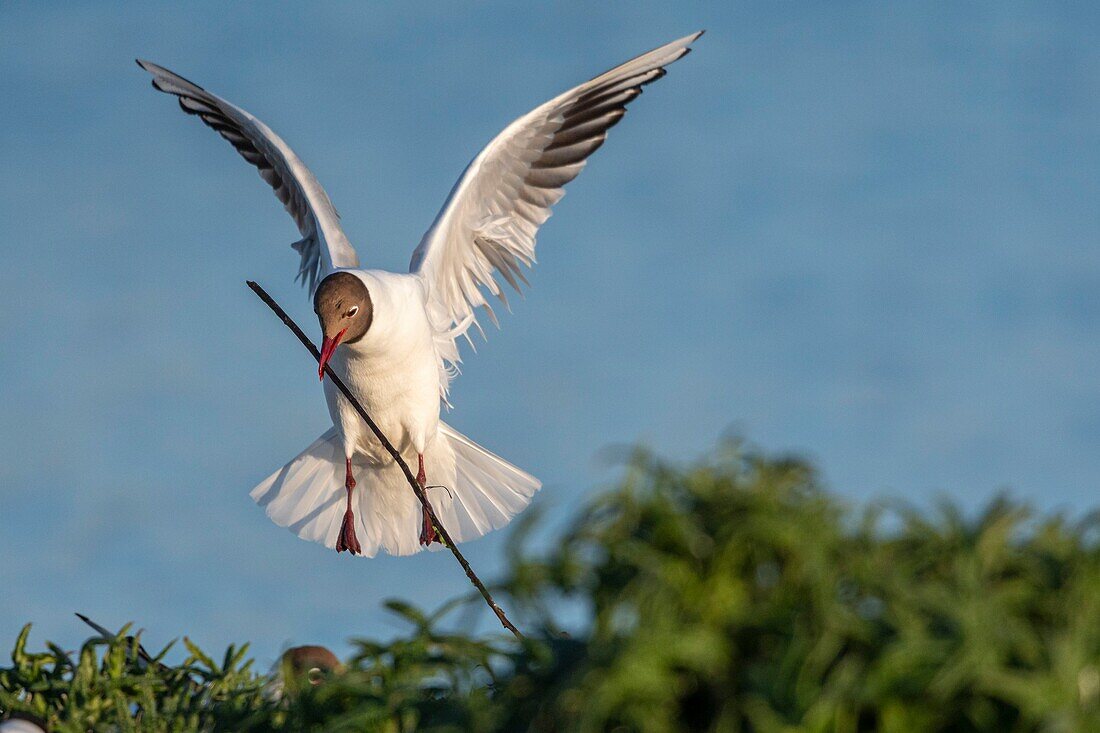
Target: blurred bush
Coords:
[(733, 595)]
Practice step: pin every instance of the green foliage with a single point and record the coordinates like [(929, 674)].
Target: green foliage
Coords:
[(734, 595), (107, 686)]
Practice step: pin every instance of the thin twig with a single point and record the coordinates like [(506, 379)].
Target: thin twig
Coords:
[(413, 483)]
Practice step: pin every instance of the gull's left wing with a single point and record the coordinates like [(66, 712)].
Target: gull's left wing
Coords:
[(490, 219)]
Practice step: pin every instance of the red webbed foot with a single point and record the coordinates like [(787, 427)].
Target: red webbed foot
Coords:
[(428, 535), (347, 539)]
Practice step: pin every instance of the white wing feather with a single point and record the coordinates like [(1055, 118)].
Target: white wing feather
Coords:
[(323, 246), (489, 222)]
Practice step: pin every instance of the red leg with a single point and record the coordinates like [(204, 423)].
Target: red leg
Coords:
[(427, 530), (347, 539)]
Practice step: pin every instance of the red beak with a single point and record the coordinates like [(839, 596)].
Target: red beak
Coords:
[(327, 347)]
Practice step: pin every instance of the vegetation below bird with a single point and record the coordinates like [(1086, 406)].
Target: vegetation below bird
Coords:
[(734, 594)]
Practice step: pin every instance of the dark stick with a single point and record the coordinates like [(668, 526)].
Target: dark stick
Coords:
[(393, 452)]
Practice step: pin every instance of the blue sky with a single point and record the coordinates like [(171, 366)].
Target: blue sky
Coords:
[(864, 233)]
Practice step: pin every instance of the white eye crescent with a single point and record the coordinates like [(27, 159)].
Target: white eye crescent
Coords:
[(351, 313)]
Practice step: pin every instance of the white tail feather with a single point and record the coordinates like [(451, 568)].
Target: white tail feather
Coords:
[(483, 492)]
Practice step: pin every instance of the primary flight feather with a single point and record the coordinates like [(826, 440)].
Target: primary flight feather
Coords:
[(393, 337)]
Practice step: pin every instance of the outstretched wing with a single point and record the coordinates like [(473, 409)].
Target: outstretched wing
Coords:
[(493, 213), (323, 246)]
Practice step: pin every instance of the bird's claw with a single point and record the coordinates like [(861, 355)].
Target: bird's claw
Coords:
[(428, 535), (347, 539)]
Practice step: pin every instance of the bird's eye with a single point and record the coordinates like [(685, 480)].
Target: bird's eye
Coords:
[(351, 313)]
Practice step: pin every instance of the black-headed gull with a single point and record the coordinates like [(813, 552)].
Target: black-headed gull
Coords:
[(392, 337)]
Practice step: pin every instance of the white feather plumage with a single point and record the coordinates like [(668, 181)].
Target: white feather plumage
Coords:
[(307, 496), (401, 368)]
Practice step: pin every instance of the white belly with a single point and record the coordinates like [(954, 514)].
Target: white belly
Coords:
[(394, 372), (400, 394)]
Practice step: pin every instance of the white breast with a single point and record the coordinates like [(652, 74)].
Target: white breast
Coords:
[(393, 371)]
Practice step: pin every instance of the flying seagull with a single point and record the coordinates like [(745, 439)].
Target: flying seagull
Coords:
[(393, 337)]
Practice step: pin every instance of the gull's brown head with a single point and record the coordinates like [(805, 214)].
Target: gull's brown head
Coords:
[(314, 663), (345, 311)]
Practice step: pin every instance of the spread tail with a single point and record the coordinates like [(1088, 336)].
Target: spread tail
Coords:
[(482, 493)]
